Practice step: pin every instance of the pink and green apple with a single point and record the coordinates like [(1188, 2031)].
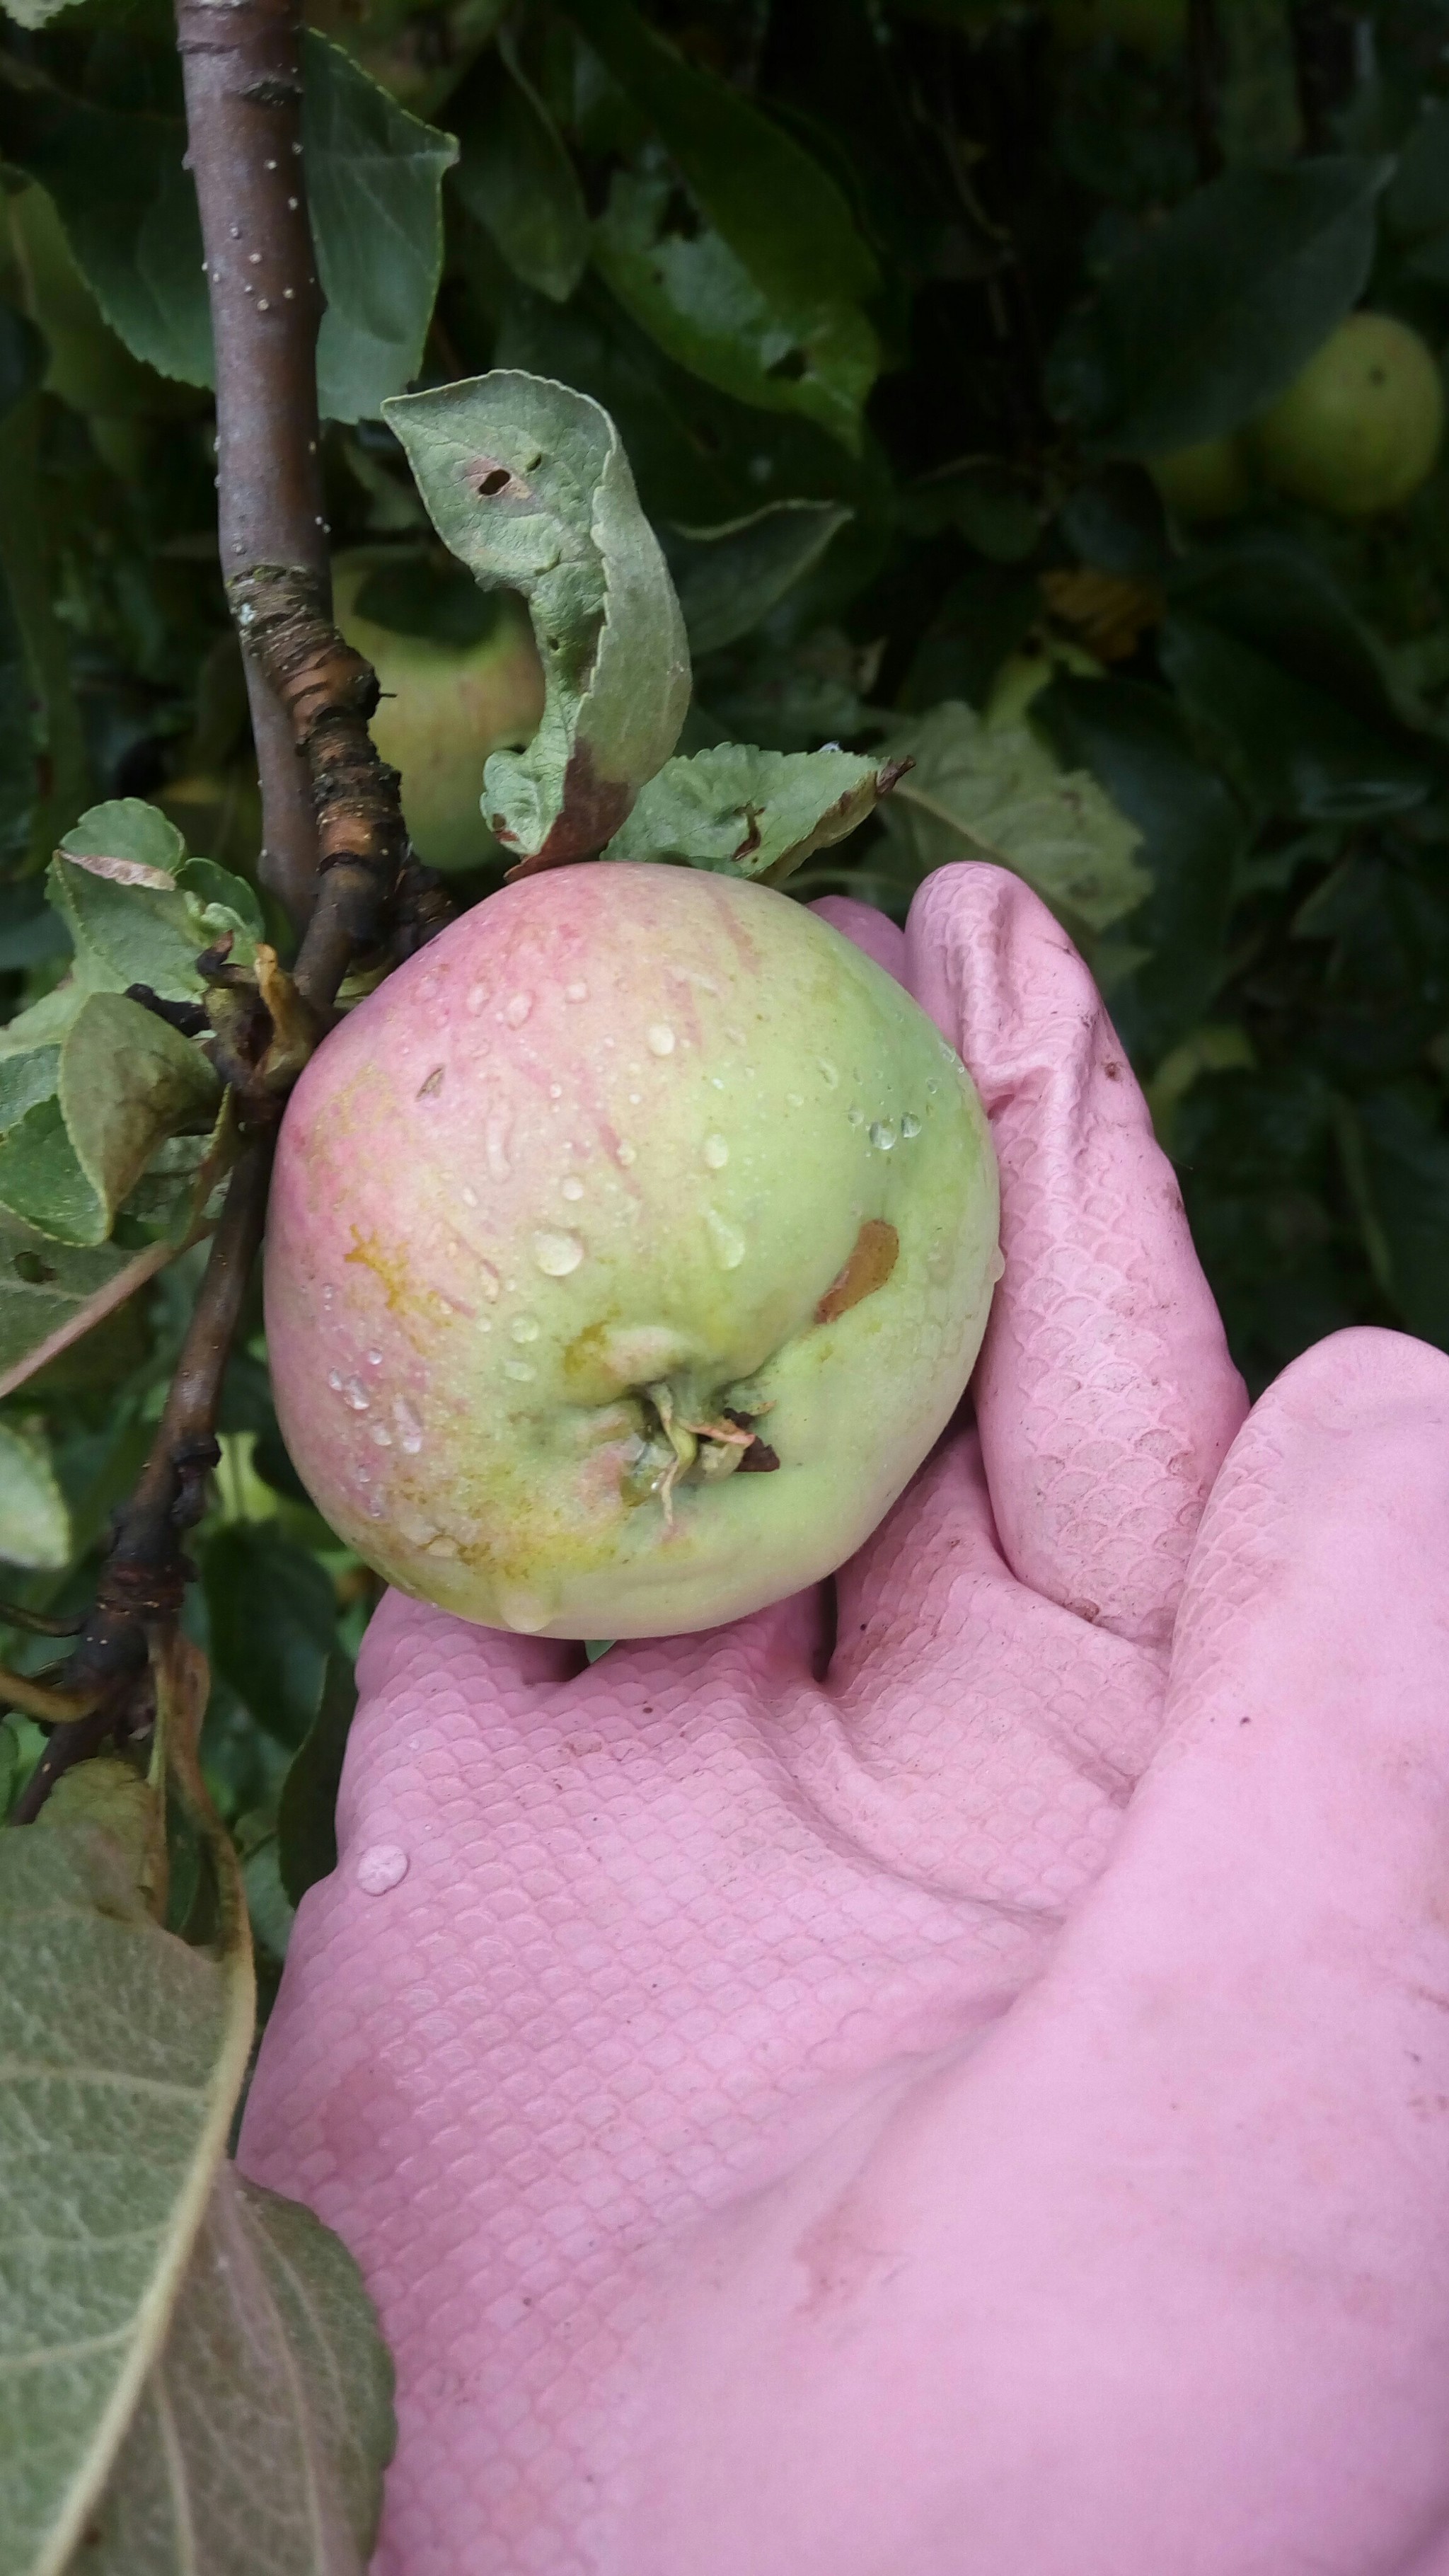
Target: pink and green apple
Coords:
[(629, 1249)]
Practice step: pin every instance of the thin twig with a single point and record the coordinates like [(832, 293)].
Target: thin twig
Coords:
[(242, 65)]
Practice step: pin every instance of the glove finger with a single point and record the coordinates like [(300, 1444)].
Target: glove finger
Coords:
[(1105, 1393), (871, 930)]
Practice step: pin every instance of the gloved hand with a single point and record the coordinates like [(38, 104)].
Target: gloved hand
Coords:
[(974, 2102)]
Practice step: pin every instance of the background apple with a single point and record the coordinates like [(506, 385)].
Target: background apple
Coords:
[(1359, 430), (446, 705), (1209, 481), (634, 1182)]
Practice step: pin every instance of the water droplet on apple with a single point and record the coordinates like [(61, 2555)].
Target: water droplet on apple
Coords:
[(519, 1369), (354, 1394), (476, 999), (910, 1125), (410, 1430), (576, 992), (828, 1072), (382, 1435), (729, 1243), (716, 1153), (524, 1328), (933, 1088), (572, 1188), (522, 1611), (381, 1866), (660, 1038), (626, 1154), (557, 1254), (495, 1145), (334, 1380), (488, 1279), (517, 1008), (374, 1359), (856, 1117), (795, 1099), (470, 1197), (327, 1296), (883, 1136)]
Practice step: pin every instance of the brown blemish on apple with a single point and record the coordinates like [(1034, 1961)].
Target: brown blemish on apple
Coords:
[(873, 1258), (389, 1268)]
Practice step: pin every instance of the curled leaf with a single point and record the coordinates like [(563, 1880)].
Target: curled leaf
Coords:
[(529, 486), (751, 813)]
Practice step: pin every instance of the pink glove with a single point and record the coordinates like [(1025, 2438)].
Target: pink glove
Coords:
[(846, 2126)]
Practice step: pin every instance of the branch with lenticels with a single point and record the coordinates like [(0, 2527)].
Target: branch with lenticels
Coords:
[(336, 847)]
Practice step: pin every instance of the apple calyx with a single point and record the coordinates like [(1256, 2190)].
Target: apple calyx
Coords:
[(673, 1446)]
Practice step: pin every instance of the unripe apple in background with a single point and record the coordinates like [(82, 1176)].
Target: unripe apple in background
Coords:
[(634, 1183), (1359, 430), (445, 708), (1209, 481)]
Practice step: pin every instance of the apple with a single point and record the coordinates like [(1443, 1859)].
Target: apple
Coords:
[(1359, 430), (629, 1248), (1208, 481), (445, 709)]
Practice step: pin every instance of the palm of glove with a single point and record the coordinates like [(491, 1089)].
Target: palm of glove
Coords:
[(754, 2178)]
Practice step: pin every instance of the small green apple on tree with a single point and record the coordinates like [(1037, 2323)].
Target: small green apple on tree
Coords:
[(631, 1246)]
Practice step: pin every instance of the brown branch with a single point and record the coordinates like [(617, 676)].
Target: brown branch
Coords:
[(242, 65), (146, 1572), (327, 693), (336, 841)]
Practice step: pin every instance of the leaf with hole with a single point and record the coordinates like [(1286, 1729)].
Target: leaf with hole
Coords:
[(527, 483)]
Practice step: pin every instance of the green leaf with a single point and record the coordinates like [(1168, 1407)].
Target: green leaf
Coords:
[(129, 212), (687, 286), (1266, 654), (258, 2445), (127, 1080), (1135, 743), (1215, 311), (751, 813), (51, 1294), (516, 178), (528, 485), (123, 2052), (138, 912), (374, 183), (34, 1521), (128, 206), (764, 298), (979, 791), (307, 1811), (273, 1617), (729, 578)]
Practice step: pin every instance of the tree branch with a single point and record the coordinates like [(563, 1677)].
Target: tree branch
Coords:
[(241, 61), (337, 843)]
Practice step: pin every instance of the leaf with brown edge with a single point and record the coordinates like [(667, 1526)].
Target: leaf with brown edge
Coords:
[(873, 1257)]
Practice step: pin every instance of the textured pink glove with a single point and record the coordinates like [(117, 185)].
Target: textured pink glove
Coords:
[(849, 2121)]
